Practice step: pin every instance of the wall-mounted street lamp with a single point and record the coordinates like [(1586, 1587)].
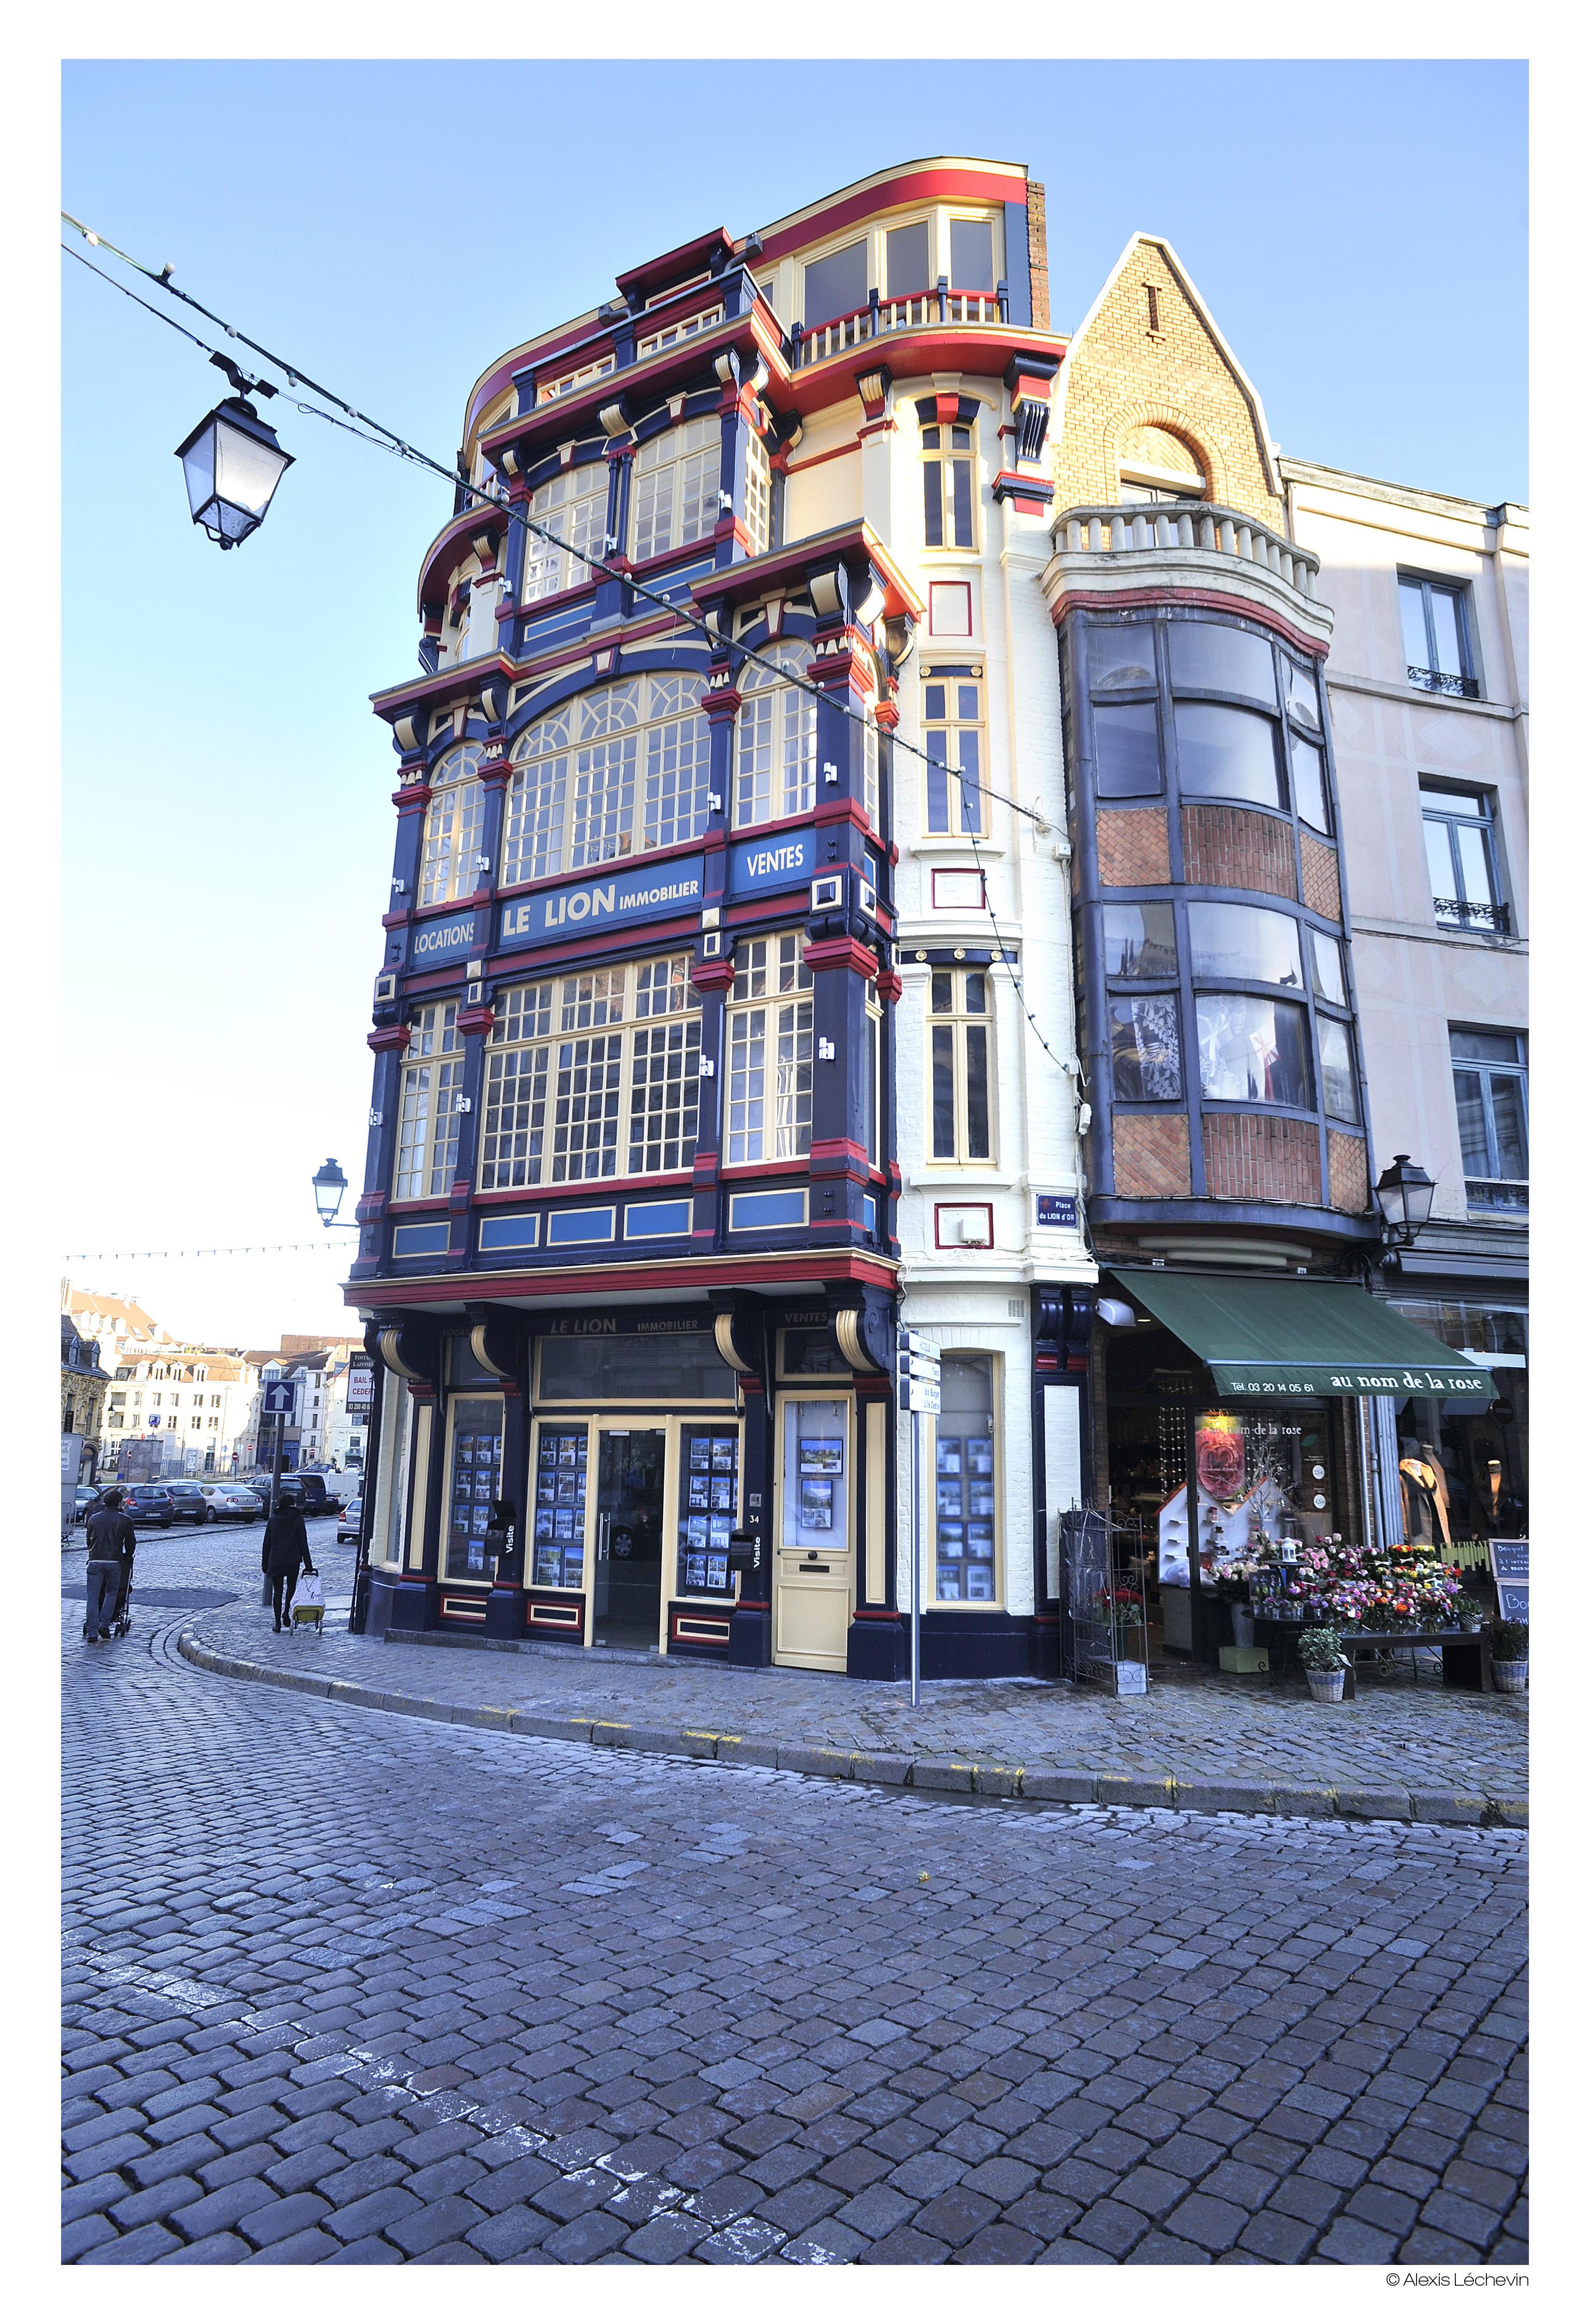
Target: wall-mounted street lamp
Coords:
[(330, 1186), (1405, 1193), (232, 463)]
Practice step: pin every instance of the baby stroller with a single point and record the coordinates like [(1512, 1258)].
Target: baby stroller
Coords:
[(121, 1621), (309, 1604)]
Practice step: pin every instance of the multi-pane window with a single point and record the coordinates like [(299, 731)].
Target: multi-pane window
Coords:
[(592, 1072), (427, 1117), (776, 743), (873, 1088), (1460, 848), (770, 1052), (948, 472), (454, 823), (759, 493), (959, 1010), (1436, 640), (1491, 1081), (675, 487), (619, 770), (870, 789), (952, 737), (548, 390), (672, 334), (573, 506)]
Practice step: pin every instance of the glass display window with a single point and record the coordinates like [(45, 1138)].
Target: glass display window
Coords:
[(816, 1512), (709, 1509), (473, 1475), (965, 1485), (557, 1524), (1226, 753)]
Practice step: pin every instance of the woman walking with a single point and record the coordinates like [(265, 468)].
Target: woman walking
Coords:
[(284, 1555)]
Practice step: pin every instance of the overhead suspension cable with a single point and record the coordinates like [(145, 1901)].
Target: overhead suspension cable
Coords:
[(387, 439), (210, 1250)]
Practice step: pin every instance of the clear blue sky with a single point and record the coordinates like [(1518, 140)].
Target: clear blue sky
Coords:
[(1359, 231)]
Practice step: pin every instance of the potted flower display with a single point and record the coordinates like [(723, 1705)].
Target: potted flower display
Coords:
[(1468, 1612), (1320, 1650), (1510, 1657)]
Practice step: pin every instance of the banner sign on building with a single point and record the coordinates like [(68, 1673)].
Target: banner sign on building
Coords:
[(785, 860), (360, 1383), (433, 943), (612, 897)]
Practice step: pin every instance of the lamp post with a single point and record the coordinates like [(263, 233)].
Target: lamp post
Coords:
[(232, 463), (1405, 1193), (330, 1186)]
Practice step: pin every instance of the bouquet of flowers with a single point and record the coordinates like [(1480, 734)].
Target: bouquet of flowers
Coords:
[(1402, 1587), (1120, 1606)]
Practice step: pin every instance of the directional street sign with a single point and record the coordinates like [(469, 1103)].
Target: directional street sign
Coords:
[(919, 1395), (920, 1368), (917, 1344), (279, 1399)]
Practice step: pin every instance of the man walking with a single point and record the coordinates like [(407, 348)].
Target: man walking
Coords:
[(111, 1540), (284, 1555)]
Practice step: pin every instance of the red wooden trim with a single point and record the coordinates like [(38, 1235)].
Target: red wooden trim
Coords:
[(892, 193), (1216, 600), (987, 1211), (841, 952), (712, 975), (388, 1037), (827, 1264), (475, 1020), (835, 1149), (840, 452)]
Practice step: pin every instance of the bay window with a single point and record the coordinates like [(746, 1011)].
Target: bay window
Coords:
[(623, 768), (453, 825), (427, 1117), (676, 475), (1146, 1046), (592, 1074), (776, 741), (1253, 1050), (573, 505), (769, 1051)]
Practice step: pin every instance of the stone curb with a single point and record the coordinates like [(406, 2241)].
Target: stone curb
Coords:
[(986, 1779)]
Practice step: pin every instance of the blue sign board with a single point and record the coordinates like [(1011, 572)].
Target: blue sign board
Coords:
[(279, 1399), (1057, 1210), (788, 860), (656, 892), (432, 943)]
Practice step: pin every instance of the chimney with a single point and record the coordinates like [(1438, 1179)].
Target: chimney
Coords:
[(1038, 253)]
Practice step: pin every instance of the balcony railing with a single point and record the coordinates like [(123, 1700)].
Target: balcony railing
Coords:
[(1443, 681), (1457, 912), (1186, 524), (921, 310)]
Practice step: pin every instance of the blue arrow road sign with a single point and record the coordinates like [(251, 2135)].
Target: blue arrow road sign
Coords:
[(279, 1399)]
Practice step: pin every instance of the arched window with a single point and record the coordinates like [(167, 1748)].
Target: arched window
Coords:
[(1155, 465), (615, 772), (453, 827), (776, 757), (573, 505), (675, 487)]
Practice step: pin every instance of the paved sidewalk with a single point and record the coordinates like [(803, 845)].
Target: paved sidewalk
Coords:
[(1400, 1751)]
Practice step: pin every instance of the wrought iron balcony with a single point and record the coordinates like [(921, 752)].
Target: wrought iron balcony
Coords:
[(1455, 912), (1158, 526), (1443, 681)]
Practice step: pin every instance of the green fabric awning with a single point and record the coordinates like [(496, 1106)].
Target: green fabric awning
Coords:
[(1297, 1337)]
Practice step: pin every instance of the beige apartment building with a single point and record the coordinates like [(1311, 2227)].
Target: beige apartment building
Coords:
[(1428, 687)]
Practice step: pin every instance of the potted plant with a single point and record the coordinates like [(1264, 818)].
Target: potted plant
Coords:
[(1510, 1657), (1320, 1650), (1468, 1612)]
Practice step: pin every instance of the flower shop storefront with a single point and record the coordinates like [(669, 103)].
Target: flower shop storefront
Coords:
[(1243, 1459)]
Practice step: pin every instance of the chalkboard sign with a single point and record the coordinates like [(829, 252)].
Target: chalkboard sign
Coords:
[(1510, 1560)]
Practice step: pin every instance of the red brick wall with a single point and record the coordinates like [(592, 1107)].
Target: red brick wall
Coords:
[(1322, 891), (1038, 253), (1250, 1158), (1233, 847), (1350, 1171), (1133, 847), (1153, 1157)]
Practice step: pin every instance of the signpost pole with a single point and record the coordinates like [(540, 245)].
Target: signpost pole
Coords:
[(916, 1557)]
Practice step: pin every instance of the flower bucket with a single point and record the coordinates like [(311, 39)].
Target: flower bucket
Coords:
[(1326, 1686), (1242, 1626), (1511, 1678)]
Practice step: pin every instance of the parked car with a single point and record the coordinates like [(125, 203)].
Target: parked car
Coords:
[(239, 1502), (347, 1525), (88, 1499), (301, 1489), (148, 1505), (187, 1501)]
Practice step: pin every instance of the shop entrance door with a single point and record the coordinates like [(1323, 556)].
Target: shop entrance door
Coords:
[(627, 1607), (813, 1583)]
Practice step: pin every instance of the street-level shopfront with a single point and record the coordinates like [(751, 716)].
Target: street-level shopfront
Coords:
[(1239, 1408), (675, 1480)]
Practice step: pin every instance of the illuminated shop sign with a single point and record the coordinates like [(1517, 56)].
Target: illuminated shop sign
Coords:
[(611, 899)]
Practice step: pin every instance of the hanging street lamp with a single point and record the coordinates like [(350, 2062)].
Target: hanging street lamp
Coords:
[(232, 463), (1405, 1193), (330, 1186)]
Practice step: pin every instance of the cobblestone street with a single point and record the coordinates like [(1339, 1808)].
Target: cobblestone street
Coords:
[(342, 1986)]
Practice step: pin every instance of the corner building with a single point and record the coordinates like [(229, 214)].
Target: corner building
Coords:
[(719, 1024)]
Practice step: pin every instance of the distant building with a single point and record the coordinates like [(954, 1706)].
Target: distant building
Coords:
[(83, 1385), (197, 1403)]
